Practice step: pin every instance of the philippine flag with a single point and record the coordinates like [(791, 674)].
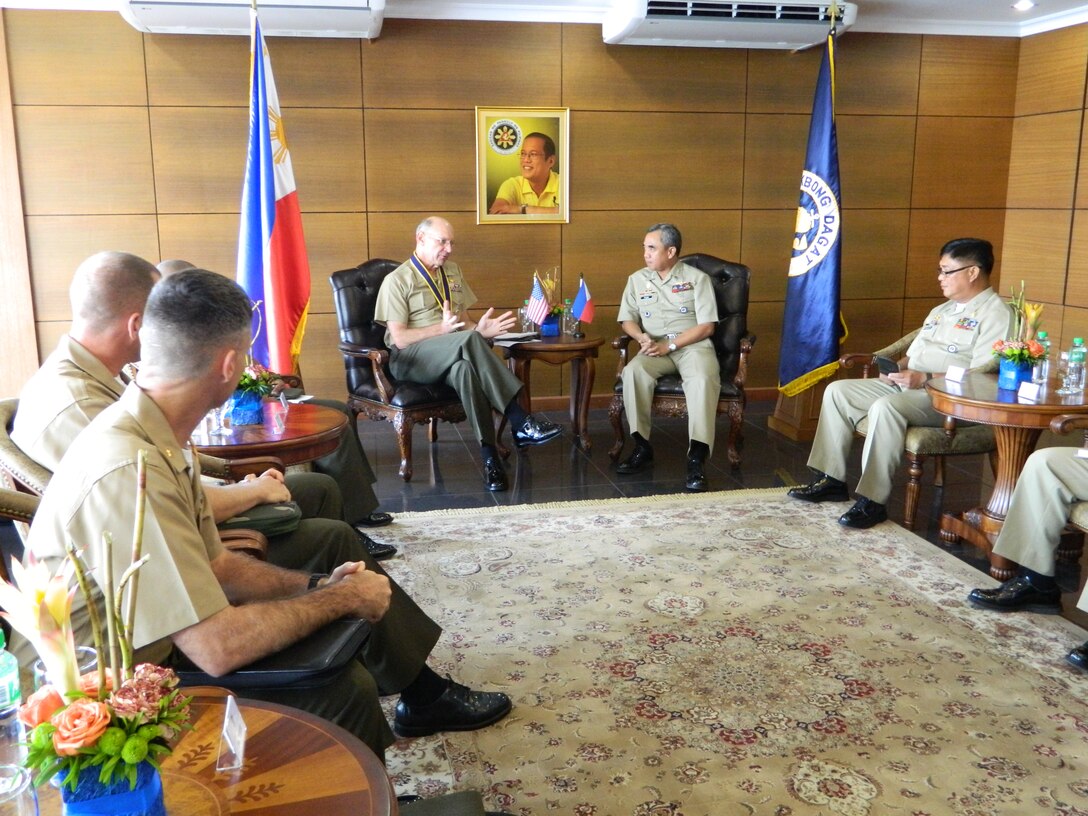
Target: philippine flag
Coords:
[(582, 308), (272, 263)]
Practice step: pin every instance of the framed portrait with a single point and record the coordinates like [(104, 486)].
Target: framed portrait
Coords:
[(522, 161)]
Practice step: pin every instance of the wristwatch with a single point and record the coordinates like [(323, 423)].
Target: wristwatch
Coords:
[(672, 345)]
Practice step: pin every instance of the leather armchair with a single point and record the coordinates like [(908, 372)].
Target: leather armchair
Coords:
[(372, 390), (732, 344)]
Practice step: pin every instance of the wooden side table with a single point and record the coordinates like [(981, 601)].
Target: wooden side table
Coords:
[(1017, 426), (302, 433), (295, 763), (582, 356)]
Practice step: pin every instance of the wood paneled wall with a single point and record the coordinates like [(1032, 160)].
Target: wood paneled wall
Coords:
[(137, 142), (1046, 224)]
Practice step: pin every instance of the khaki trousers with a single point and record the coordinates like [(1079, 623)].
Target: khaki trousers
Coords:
[(698, 368), (1052, 480), (890, 411)]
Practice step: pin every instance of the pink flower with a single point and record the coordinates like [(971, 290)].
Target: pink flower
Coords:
[(79, 726), (40, 706)]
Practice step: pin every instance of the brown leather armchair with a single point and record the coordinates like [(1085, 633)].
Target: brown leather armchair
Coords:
[(732, 343), (954, 439), (372, 390)]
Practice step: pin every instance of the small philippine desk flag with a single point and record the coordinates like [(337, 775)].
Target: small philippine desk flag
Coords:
[(582, 308)]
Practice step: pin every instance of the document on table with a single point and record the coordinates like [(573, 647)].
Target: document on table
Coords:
[(513, 338)]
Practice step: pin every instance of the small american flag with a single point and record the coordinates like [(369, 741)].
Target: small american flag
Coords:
[(538, 304)]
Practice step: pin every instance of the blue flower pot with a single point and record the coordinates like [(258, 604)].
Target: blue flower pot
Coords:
[(1011, 373), (550, 326), (92, 798), (245, 408)]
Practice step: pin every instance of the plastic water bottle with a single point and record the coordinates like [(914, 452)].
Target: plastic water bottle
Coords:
[(568, 316), (11, 730), (1076, 364), (523, 317), (1041, 372)]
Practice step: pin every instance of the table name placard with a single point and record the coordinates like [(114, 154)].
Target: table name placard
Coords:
[(955, 374)]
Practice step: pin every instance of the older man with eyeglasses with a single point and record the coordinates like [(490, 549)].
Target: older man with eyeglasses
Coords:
[(423, 305), (959, 332)]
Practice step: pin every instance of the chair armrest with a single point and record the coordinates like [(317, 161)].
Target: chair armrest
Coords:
[(246, 542), (622, 344), (233, 470), (18, 506), (867, 362), (378, 358), (746, 343), (1065, 423)]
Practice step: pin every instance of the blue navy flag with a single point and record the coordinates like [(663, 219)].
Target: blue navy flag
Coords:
[(812, 327)]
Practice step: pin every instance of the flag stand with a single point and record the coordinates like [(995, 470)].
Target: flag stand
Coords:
[(578, 334), (796, 417)]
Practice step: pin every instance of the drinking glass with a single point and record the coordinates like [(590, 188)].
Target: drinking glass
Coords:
[(215, 418), (86, 661), (17, 795)]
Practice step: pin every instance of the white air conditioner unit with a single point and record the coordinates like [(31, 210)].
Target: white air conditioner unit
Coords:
[(282, 18), (722, 23)]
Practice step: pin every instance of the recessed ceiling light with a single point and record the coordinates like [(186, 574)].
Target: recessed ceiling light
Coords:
[(1024, 5)]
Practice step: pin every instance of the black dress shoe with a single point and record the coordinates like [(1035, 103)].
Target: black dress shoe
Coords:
[(1018, 594), (638, 461), (378, 551), (864, 514), (1079, 657), (458, 709), (494, 474), (375, 520), (823, 489), (696, 482), (536, 431)]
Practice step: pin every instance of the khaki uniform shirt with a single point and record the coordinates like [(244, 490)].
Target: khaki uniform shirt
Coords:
[(961, 334), (406, 298), (70, 389), (667, 307), (94, 489)]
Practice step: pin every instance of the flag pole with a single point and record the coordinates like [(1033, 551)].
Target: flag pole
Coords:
[(578, 334)]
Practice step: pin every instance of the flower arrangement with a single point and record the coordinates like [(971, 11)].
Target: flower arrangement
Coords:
[(549, 282), (256, 379), (113, 720), (1021, 345)]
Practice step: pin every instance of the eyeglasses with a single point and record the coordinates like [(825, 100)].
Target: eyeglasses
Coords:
[(446, 242), (944, 273), (532, 154)]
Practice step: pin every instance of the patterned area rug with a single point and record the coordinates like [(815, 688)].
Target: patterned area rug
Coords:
[(735, 653)]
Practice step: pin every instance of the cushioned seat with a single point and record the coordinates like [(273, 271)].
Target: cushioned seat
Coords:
[(732, 343), (953, 439), (372, 390)]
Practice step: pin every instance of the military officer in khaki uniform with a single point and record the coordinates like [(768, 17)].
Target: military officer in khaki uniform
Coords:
[(423, 304), (669, 309), (960, 332)]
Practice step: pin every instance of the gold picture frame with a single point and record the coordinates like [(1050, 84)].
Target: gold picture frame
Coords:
[(528, 195)]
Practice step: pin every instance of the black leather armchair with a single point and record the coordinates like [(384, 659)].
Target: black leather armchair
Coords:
[(372, 390), (732, 343)]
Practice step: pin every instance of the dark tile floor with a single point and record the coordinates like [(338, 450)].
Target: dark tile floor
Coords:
[(448, 474)]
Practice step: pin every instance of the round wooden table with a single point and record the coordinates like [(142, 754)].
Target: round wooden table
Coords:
[(582, 356), (294, 763), (301, 433), (1017, 426)]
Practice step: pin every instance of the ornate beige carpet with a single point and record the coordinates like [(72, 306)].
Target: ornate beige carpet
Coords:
[(735, 653)]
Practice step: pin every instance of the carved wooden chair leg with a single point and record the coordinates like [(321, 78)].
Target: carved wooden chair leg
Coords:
[(736, 420), (615, 414), (938, 471), (403, 424), (914, 486), (432, 430)]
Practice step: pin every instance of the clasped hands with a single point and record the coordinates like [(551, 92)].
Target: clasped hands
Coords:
[(653, 348), (906, 379), (373, 592)]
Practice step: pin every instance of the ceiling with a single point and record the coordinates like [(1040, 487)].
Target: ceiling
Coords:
[(962, 17)]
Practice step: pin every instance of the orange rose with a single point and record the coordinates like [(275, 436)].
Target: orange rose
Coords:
[(79, 726), (40, 706), (88, 683)]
